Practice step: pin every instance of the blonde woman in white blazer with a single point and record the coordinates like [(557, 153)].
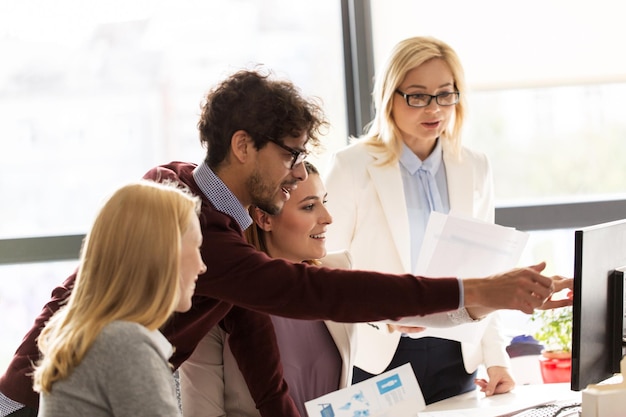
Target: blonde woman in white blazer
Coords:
[(419, 115), (317, 356)]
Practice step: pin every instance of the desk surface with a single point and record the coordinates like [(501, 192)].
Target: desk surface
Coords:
[(475, 404)]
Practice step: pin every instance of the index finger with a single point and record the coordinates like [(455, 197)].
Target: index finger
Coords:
[(551, 304), (561, 283), (542, 280)]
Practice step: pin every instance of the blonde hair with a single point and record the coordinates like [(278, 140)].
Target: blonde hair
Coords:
[(129, 270), (382, 132)]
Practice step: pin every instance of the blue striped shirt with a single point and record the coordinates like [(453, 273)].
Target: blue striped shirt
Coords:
[(220, 195)]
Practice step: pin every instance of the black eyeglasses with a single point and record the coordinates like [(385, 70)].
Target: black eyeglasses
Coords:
[(297, 157), (449, 98)]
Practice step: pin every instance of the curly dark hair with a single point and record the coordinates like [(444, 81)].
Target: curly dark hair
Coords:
[(265, 108)]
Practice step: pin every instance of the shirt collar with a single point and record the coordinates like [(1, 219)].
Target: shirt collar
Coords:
[(220, 196), (412, 163)]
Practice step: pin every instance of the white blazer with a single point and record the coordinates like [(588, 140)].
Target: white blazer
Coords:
[(211, 384), (370, 220)]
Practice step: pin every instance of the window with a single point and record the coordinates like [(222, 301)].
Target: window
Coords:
[(93, 94), (545, 97)]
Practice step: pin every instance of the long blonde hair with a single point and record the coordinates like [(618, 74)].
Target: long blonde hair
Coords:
[(129, 270), (382, 132)]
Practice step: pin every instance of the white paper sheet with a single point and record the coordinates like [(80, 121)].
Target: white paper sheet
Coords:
[(455, 246), (394, 393)]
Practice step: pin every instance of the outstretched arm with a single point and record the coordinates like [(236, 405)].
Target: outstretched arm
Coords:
[(523, 289)]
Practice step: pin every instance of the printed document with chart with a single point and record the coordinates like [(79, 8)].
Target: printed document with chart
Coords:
[(394, 393), (456, 246)]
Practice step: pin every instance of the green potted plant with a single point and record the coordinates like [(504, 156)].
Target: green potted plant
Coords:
[(555, 333)]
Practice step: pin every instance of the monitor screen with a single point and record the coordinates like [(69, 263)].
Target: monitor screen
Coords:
[(598, 306)]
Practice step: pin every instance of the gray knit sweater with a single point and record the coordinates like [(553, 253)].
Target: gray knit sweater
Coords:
[(125, 373)]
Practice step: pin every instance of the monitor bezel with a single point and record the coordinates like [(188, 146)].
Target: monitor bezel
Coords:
[(597, 328)]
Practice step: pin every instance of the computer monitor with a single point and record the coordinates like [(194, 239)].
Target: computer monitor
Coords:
[(598, 305)]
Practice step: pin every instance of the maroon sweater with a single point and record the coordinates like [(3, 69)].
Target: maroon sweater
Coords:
[(240, 275)]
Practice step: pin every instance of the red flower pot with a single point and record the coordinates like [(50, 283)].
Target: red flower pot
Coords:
[(555, 369)]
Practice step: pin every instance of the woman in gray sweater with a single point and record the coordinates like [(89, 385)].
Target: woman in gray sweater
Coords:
[(102, 354)]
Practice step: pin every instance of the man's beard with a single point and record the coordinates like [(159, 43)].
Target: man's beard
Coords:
[(261, 195)]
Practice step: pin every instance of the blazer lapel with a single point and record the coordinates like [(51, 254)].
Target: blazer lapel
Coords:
[(344, 342), (387, 182), (460, 179)]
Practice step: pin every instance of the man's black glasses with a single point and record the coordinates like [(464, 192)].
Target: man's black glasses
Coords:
[(297, 157), (449, 98)]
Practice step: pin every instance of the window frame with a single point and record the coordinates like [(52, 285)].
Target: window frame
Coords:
[(359, 76)]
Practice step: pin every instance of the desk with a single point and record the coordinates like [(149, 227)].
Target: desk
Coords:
[(475, 404)]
